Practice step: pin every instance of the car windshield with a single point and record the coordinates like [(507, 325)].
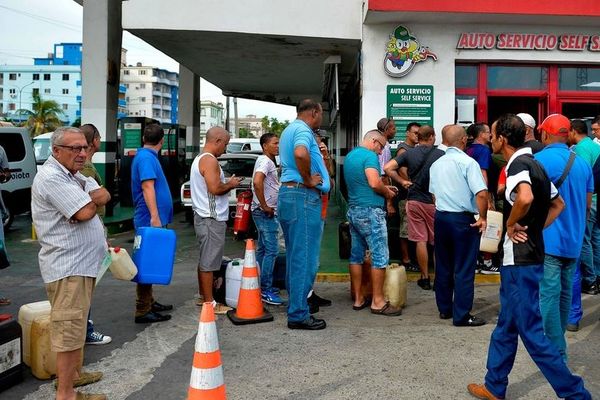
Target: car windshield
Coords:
[(238, 166), (234, 147), (41, 149)]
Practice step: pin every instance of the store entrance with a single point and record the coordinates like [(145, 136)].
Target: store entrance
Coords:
[(498, 105), (580, 110)]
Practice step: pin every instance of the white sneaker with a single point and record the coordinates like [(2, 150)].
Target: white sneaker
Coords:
[(97, 338)]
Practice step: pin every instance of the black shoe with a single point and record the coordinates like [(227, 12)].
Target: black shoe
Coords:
[(589, 289), (573, 327), (424, 283), (445, 316), (157, 307), (319, 301), (410, 267), (472, 321), (151, 317), (311, 324), (313, 308)]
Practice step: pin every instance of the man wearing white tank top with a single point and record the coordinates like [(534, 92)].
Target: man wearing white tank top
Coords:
[(211, 210)]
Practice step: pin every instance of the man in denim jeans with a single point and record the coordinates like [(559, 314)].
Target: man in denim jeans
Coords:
[(304, 179), (367, 196), (265, 186), (564, 238)]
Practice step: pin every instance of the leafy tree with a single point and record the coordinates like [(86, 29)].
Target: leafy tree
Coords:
[(273, 125), (45, 116), (244, 133), (77, 123)]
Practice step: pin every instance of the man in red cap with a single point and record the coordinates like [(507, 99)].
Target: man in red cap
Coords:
[(563, 239)]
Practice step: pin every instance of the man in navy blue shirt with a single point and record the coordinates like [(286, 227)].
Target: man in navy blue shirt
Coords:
[(564, 238), (153, 207)]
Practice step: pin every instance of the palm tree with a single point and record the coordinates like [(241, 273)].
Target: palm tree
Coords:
[(45, 116)]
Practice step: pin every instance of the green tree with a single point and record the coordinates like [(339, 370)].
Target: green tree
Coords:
[(76, 123), (273, 125), (244, 133), (45, 116)]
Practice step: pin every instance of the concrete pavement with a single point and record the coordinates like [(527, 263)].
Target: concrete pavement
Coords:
[(359, 355)]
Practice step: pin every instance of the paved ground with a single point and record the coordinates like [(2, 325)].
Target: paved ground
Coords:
[(359, 355)]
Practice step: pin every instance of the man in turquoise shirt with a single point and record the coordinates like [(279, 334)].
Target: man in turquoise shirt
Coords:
[(366, 213), (304, 180)]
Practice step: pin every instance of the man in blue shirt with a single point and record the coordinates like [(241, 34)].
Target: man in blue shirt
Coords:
[(367, 195), (153, 207), (304, 179), (460, 193), (564, 238)]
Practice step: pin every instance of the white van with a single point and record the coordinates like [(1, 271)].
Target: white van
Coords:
[(16, 193), (42, 148), (243, 144)]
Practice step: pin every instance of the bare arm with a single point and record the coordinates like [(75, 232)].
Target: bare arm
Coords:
[(150, 199), (259, 190), (556, 207), (391, 169), (302, 157), (481, 198), (523, 200), (485, 177), (589, 205), (375, 182), (85, 213), (209, 169), (100, 196)]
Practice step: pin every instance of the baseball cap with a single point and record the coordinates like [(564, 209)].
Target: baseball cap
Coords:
[(556, 124), (527, 119)]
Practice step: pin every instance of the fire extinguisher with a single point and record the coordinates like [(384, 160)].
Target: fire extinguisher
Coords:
[(241, 222)]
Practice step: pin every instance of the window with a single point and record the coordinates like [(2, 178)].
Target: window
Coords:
[(127, 86), (65, 91), (12, 77), (12, 107), (12, 91), (47, 91), (521, 78), (142, 86), (142, 72), (65, 106), (127, 99), (203, 112), (46, 77), (65, 77), (466, 76), (36, 77), (13, 145), (125, 72), (36, 91), (143, 99), (579, 79)]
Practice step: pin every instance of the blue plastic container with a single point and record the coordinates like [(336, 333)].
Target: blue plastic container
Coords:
[(154, 255)]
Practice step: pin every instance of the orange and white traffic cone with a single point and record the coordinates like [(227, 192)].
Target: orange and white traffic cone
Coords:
[(207, 382), (250, 309)]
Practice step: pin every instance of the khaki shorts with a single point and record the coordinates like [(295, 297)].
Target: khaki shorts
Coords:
[(403, 231), (70, 299)]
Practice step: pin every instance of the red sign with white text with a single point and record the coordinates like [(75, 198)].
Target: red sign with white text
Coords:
[(527, 41)]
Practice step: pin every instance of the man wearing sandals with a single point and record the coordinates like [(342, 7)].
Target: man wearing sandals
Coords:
[(73, 244), (367, 195)]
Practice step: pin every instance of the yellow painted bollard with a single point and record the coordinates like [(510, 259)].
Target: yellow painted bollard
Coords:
[(33, 234)]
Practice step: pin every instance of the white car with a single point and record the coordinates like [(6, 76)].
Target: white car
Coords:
[(238, 164)]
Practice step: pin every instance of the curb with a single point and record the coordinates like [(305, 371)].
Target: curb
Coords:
[(336, 277)]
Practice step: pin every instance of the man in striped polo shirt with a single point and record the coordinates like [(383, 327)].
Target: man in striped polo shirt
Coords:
[(73, 244)]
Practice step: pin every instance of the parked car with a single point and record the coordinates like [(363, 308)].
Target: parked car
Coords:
[(243, 144), (239, 164), (16, 193)]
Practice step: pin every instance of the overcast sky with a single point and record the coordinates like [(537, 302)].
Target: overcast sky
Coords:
[(30, 28)]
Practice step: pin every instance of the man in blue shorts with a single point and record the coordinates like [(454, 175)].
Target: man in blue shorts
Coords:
[(367, 195)]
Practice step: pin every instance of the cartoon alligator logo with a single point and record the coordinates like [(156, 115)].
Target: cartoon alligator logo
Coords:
[(403, 52)]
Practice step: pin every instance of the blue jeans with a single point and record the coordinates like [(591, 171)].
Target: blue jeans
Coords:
[(556, 288), (456, 248), (368, 231), (300, 218), (267, 247), (520, 316), (576, 312), (590, 250)]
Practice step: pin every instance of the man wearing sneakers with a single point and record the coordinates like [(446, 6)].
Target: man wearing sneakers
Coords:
[(211, 210), (265, 186), (531, 203)]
